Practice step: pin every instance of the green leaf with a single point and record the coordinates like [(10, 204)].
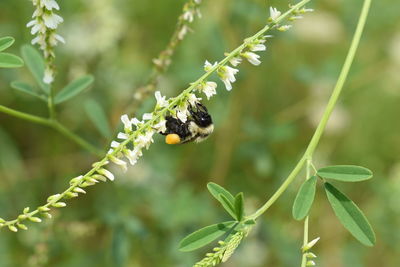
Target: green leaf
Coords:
[(304, 198), (35, 64), (345, 173), (215, 190), (205, 236), (239, 206), (74, 88), (97, 115), (27, 89), (350, 216), (228, 206), (6, 42), (10, 61)]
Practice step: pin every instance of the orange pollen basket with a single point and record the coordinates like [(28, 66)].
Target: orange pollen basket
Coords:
[(172, 139)]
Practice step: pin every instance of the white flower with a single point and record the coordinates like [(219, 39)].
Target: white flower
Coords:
[(136, 122), (55, 38), (52, 20), (132, 156), (188, 16), (106, 173), (208, 66), (160, 126), (284, 28), (50, 4), (235, 61), (48, 76), (253, 58), (145, 140), (123, 136), (147, 116), (182, 115), (119, 162), (183, 32), (258, 46), (161, 102), (208, 89), (193, 99), (227, 75), (114, 144), (274, 13), (127, 122)]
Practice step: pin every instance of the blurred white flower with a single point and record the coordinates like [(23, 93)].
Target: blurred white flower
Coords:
[(253, 58), (274, 13), (227, 75), (48, 75), (208, 88), (127, 122), (161, 102), (208, 66)]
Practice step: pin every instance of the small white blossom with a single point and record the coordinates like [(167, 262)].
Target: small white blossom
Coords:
[(48, 76), (253, 58), (136, 122), (147, 116), (119, 162), (106, 173), (52, 20), (188, 16), (50, 4), (235, 61), (227, 75), (144, 140), (208, 66), (183, 32), (208, 89), (123, 136), (161, 102), (274, 13), (193, 99), (160, 126), (127, 122), (114, 144), (284, 28), (182, 115)]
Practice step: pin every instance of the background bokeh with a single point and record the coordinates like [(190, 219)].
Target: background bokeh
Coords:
[(261, 130)]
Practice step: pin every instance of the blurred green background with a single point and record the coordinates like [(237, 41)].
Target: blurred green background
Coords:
[(261, 130)]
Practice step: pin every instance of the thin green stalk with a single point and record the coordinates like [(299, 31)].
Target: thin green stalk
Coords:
[(55, 125), (50, 104), (327, 113), (305, 234), (25, 116)]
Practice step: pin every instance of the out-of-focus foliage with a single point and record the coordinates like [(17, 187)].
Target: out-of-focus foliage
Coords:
[(261, 129)]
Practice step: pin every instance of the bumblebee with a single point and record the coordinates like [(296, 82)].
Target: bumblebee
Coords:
[(197, 128)]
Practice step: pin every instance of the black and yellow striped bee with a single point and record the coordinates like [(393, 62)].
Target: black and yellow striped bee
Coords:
[(197, 127)]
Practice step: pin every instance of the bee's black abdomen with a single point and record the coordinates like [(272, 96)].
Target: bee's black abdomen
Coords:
[(176, 126)]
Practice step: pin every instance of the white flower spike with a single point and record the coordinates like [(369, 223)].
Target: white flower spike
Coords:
[(208, 88)]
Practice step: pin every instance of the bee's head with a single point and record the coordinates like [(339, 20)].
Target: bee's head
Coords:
[(200, 115)]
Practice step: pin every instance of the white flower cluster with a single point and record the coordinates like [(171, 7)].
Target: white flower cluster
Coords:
[(227, 73), (275, 14), (190, 10), (44, 23), (154, 122)]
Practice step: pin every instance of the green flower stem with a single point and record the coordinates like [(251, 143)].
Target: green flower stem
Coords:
[(305, 235), (55, 125), (25, 116), (328, 111), (156, 115), (50, 104)]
